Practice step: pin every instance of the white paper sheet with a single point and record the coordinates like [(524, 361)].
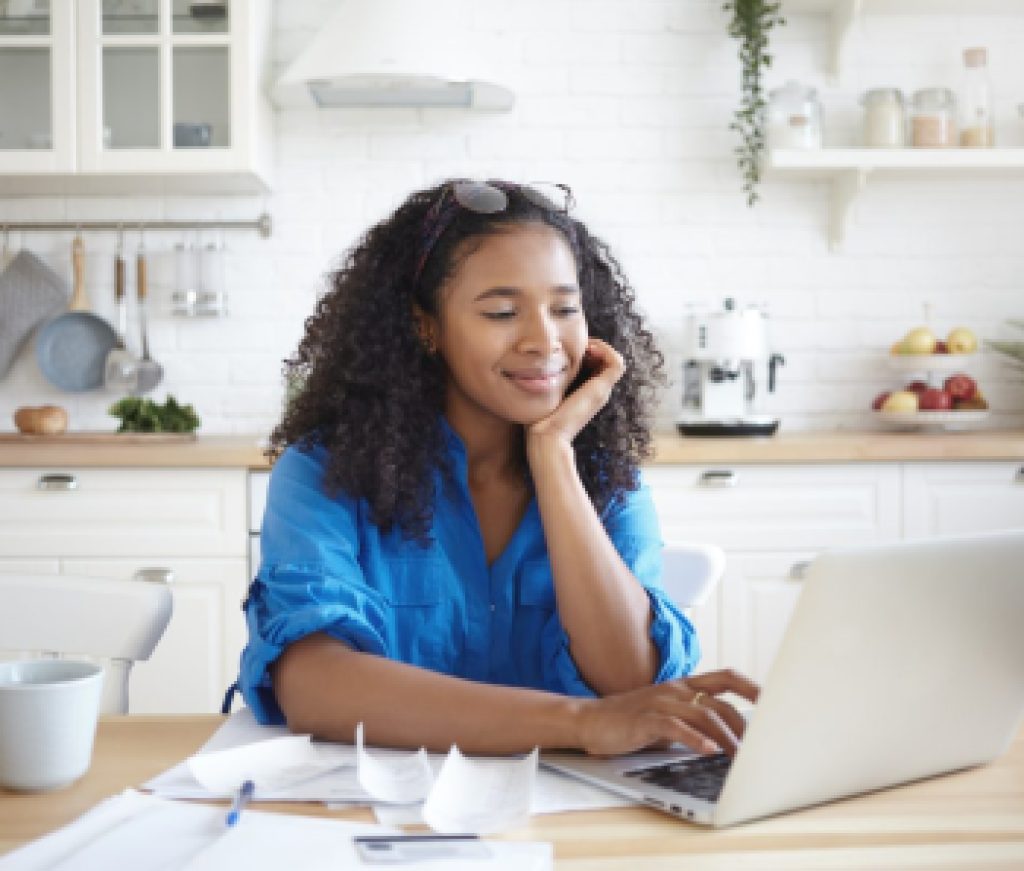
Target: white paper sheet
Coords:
[(553, 792), (234, 752), (481, 795), (276, 764), (402, 779), (145, 833)]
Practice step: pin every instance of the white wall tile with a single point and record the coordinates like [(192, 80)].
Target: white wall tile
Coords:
[(629, 101)]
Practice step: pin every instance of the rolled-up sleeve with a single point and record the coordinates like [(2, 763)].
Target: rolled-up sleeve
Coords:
[(309, 579), (632, 525)]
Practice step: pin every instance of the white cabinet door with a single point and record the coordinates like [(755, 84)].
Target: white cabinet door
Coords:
[(760, 591), (122, 512), (962, 498), (197, 658), (780, 507)]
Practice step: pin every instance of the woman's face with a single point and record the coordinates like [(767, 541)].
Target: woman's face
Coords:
[(510, 326)]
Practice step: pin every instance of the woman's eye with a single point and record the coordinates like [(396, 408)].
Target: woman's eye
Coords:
[(500, 316), (567, 311)]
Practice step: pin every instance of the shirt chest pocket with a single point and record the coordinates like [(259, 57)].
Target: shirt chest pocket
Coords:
[(536, 585), (414, 583), (425, 625)]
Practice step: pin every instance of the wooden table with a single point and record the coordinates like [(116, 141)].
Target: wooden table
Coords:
[(969, 820)]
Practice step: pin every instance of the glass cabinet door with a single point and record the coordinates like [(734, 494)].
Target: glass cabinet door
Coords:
[(163, 83), (36, 86), (26, 103)]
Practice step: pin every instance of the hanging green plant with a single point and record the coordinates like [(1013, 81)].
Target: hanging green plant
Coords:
[(750, 24)]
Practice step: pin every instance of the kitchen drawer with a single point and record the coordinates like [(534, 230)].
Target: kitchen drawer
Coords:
[(962, 498), (122, 512), (778, 507)]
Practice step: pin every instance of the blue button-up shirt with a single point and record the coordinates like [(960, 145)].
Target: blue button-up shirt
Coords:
[(326, 567)]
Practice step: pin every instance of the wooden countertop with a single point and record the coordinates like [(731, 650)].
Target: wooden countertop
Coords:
[(842, 446), (798, 447), (970, 819), (210, 451)]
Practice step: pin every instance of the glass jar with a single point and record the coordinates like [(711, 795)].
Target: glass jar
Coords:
[(794, 117), (933, 118), (976, 128), (885, 118)]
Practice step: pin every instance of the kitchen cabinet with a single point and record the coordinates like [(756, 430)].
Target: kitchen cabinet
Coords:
[(770, 519), (962, 498), (114, 522), (134, 96)]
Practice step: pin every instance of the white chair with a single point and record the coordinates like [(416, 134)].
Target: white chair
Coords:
[(690, 572), (116, 622)]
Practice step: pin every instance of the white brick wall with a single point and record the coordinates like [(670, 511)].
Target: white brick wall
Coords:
[(628, 101)]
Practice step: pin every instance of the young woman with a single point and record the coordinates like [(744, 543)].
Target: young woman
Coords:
[(457, 547)]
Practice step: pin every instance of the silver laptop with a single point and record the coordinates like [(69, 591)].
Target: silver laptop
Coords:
[(901, 662)]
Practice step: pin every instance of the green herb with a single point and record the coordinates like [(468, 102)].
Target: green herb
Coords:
[(144, 415), (751, 21), (1014, 351)]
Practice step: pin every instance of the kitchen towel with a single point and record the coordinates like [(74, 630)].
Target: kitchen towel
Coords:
[(30, 293)]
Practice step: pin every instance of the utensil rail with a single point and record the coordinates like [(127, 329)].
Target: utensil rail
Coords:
[(262, 224)]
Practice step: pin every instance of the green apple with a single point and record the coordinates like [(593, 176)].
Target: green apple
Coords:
[(920, 340), (901, 400)]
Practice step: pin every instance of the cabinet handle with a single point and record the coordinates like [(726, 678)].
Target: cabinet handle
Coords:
[(57, 482), (798, 571), (718, 478), (155, 575)]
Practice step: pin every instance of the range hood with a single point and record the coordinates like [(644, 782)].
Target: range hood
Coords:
[(395, 53)]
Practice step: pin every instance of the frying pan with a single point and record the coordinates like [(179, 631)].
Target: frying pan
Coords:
[(72, 348)]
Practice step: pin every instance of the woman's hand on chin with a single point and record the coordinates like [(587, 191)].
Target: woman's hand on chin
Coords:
[(605, 366)]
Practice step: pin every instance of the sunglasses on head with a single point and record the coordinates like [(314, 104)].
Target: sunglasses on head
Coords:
[(485, 198)]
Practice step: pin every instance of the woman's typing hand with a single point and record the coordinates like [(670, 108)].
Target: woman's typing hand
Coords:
[(687, 710)]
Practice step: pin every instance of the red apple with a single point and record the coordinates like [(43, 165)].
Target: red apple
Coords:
[(960, 386), (941, 348), (934, 399), (917, 387), (877, 404)]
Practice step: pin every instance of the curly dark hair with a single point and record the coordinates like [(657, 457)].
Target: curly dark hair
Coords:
[(372, 395)]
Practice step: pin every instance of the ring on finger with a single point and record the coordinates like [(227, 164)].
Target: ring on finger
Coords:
[(698, 696)]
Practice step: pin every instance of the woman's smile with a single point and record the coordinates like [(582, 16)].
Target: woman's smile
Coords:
[(537, 380)]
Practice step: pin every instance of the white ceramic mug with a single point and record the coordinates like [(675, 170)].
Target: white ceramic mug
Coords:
[(48, 713)]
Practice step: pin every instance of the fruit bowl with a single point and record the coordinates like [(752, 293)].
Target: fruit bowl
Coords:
[(931, 362), (924, 419)]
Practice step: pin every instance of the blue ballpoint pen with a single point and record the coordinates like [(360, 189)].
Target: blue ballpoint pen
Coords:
[(242, 798)]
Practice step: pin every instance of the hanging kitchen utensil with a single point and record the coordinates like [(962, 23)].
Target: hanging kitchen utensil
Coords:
[(121, 371), (30, 293), (150, 372), (71, 350)]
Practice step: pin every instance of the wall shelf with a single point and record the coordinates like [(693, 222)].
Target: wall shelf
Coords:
[(844, 15), (850, 169)]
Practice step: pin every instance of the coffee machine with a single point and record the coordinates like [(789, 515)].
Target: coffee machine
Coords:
[(725, 353)]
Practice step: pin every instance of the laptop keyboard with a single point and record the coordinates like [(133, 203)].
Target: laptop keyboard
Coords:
[(702, 776)]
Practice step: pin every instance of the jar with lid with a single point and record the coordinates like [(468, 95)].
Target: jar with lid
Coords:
[(976, 129), (885, 118), (794, 117), (933, 118)]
